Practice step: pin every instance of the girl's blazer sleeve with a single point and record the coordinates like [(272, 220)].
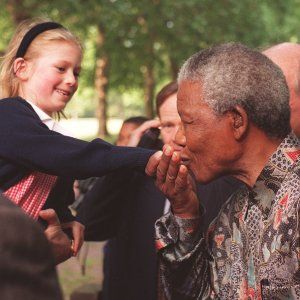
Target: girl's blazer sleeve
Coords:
[(26, 141)]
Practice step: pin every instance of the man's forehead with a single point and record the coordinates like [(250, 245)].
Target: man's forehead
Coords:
[(189, 92), (188, 86)]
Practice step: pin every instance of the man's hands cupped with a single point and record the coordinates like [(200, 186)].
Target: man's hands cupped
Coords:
[(174, 180)]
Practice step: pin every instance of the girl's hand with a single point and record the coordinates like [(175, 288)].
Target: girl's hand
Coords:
[(78, 234)]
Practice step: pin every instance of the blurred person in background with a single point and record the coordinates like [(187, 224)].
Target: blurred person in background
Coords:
[(128, 126), (287, 57)]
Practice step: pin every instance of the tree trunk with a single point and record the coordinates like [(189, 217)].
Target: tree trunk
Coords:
[(174, 68), (149, 90), (101, 82), (18, 12)]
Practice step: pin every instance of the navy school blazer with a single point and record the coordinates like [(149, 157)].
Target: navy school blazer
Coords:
[(27, 144)]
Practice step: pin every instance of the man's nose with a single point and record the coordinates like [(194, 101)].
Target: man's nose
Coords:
[(180, 139)]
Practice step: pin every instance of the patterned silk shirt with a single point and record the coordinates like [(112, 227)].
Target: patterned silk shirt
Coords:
[(251, 250)]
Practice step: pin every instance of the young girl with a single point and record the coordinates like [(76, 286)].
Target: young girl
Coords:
[(38, 163)]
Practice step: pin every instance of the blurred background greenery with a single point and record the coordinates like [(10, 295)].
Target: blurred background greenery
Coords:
[(134, 47)]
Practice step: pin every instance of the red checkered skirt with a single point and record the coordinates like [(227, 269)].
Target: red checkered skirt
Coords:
[(31, 192)]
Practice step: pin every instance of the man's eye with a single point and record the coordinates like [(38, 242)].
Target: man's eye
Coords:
[(76, 74)]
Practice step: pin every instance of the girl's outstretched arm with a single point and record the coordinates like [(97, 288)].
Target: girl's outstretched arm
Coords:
[(30, 144)]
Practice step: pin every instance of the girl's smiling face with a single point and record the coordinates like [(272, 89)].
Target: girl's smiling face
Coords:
[(52, 76)]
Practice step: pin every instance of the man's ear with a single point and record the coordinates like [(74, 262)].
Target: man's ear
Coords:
[(21, 68), (239, 121)]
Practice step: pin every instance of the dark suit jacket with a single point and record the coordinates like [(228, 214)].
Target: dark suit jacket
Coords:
[(27, 268), (124, 207)]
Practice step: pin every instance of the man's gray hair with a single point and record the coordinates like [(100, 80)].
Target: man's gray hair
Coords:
[(232, 74)]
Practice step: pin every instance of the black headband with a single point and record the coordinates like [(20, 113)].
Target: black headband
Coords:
[(31, 35)]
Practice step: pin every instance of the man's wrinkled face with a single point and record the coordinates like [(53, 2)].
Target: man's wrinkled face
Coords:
[(209, 149)]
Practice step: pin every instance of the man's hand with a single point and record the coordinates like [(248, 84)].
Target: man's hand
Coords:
[(136, 134), (78, 234), (59, 241), (174, 181)]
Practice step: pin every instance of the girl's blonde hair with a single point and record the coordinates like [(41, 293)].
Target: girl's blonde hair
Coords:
[(9, 84)]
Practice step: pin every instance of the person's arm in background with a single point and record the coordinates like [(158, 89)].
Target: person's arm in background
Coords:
[(137, 134)]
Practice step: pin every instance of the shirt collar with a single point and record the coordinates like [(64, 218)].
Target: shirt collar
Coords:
[(283, 159), (279, 165), (48, 121)]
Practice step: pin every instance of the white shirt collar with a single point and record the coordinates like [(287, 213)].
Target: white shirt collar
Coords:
[(49, 122)]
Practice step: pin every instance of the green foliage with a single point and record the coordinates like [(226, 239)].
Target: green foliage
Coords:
[(125, 104), (160, 33), (6, 29)]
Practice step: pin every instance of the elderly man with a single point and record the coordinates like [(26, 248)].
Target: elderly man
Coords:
[(233, 103), (287, 57)]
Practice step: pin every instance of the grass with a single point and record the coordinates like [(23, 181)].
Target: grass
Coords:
[(69, 272)]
